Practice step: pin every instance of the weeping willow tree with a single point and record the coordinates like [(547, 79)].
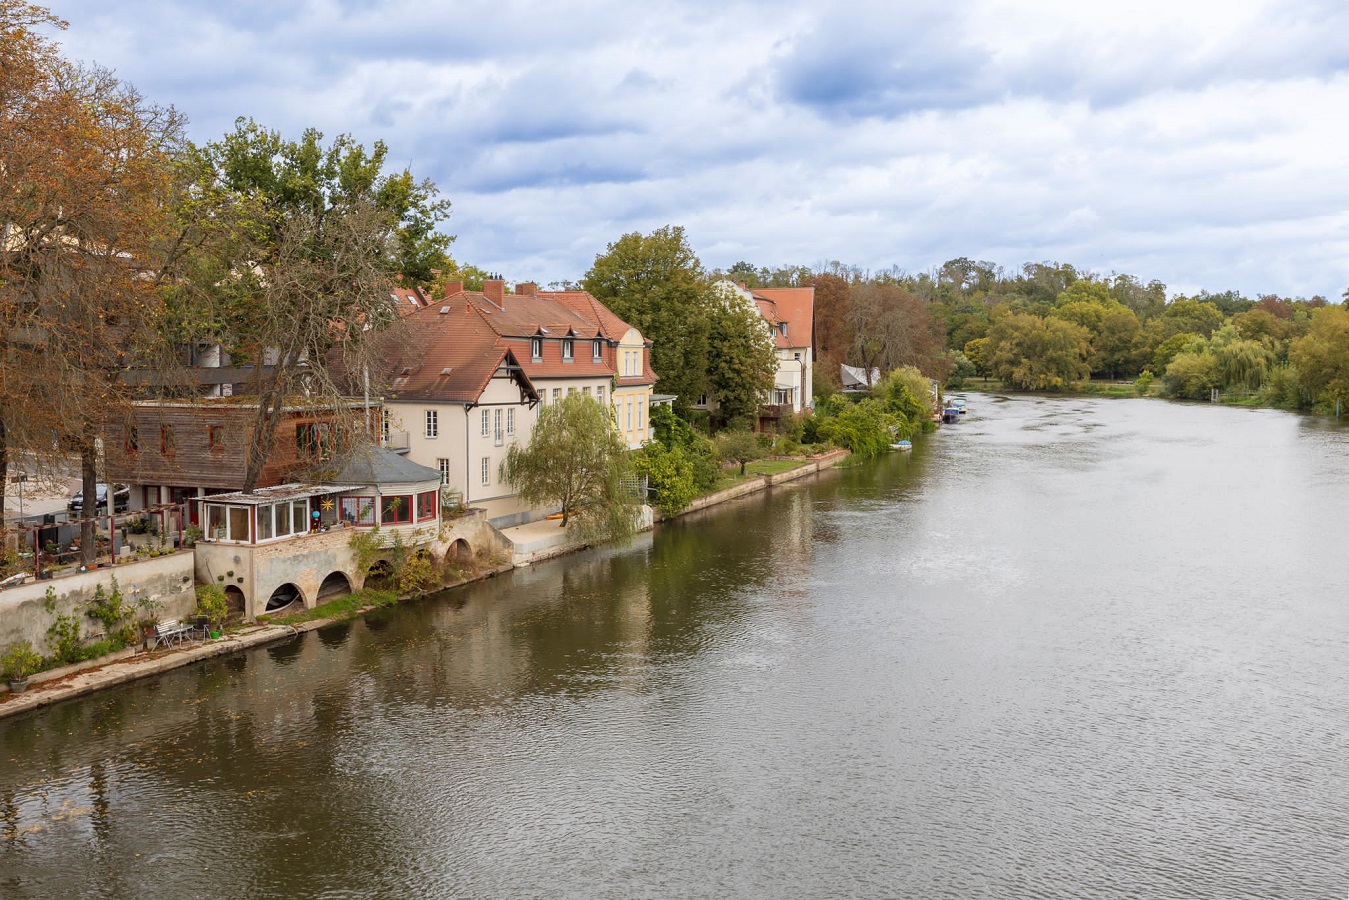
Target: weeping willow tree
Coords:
[(577, 461)]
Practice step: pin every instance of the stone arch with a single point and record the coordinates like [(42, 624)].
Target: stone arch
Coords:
[(283, 597), (337, 584), (235, 602), (380, 575), (460, 553)]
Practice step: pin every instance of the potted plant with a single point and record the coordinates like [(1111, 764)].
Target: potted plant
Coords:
[(212, 604), (20, 661), (147, 617)]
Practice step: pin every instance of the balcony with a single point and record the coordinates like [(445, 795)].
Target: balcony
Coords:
[(396, 441)]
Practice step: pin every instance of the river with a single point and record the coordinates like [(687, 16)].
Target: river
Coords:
[(1065, 648)]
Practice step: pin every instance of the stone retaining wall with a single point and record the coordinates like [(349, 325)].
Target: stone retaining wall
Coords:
[(166, 579), (763, 482)]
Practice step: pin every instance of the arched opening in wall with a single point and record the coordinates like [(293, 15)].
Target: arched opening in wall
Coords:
[(460, 554), (282, 598), (335, 585), (234, 602), (380, 577)]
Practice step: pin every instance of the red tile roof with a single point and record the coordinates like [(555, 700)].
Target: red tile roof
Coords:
[(611, 326), (795, 306), (451, 356)]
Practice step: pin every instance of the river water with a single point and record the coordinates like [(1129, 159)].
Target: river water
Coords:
[(1067, 647)]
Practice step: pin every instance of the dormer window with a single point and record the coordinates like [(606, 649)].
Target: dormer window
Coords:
[(782, 328), (598, 345), (536, 348), (568, 350)]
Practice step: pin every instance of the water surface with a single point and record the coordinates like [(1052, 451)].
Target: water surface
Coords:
[(1068, 647)]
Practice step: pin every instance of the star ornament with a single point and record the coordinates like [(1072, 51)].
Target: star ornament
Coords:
[(327, 505)]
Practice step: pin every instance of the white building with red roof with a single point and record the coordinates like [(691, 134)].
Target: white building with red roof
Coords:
[(790, 312), (478, 366)]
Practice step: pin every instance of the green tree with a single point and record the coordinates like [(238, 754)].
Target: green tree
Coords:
[(670, 476), (743, 358), (904, 394), (1321, 357), (862, 427), (740, 446), (298, 258), (1183, 315), (676, 434), (1031, 353), (656, 284), (1192, 375), (576, 461)]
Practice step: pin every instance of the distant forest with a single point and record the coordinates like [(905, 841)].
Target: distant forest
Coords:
[(1051, 326)]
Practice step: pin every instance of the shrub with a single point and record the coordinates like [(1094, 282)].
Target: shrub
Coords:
[(212, 603), (418, 575), (670, 475), (20, 661)]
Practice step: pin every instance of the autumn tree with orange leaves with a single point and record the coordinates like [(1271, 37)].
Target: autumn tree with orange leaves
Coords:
[(87, 171)]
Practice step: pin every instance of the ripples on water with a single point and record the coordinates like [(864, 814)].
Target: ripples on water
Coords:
[(1065, 648)]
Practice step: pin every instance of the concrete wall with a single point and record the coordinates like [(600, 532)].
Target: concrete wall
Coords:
[(167, 579)]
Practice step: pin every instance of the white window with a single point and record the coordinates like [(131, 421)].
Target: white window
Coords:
[(557, 395), (597, 346), (571, 390), (384, 425), (567, 350), (796, 356), (486, 423), (498, 438), (782, 328), (486, 470), (510, 421), (599, 394), (432, 423), (641, 411), (444, 470), (536, 348), (629, 414), (586, 390)]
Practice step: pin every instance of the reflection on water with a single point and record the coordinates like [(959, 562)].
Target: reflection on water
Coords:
[(1068, 647)]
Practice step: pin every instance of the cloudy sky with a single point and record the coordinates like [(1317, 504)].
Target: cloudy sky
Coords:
[(1201, 143)]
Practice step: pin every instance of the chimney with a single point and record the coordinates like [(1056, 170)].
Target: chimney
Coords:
[(495, 290), (452, 288), (527, 288)]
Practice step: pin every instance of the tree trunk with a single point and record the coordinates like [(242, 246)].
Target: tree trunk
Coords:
[(271, 400), (89, 508), (4, 470)]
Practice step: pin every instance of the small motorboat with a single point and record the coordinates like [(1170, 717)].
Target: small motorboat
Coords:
[(959, 404), (902, 446), (950, 415)]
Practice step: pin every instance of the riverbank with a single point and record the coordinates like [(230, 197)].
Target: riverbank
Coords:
[(57, 685)]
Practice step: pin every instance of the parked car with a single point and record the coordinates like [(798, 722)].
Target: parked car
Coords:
[(121, 499)]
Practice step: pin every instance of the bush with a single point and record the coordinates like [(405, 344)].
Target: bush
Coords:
[(212, 604), (863, 428), (418, 575), (670, 475), (20, 661)]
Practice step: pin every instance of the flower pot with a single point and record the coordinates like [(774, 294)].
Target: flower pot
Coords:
[(215, 635), (18, 685)]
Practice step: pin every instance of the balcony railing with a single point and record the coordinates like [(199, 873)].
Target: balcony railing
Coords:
[(395, 440)]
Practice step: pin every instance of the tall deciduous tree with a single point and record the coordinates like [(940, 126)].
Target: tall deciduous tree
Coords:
[(304, 240), (656, 284), (1322, 356), (742, 360), (576, 460), (87, 176)]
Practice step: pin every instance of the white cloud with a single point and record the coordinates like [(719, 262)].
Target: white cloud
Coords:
[(1192, 142)]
